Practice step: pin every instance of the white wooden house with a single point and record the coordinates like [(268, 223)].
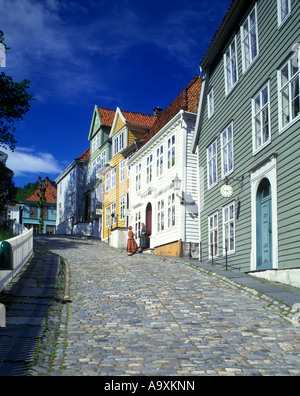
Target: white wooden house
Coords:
[(171, 216)]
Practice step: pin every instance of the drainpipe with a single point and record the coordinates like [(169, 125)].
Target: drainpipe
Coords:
[(183, 176)]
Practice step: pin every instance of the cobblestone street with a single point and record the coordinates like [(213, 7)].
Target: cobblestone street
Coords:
[(144, 315)]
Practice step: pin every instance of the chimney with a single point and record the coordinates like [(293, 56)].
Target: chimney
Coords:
[(157, 111)]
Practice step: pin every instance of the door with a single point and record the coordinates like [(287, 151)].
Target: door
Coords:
[(149, 221), (264, 226)]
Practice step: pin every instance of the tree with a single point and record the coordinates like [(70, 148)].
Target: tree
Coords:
[(14, 104), (42, 185), (7, 186)]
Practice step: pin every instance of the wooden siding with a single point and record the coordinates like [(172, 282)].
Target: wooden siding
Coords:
[(274, 47)]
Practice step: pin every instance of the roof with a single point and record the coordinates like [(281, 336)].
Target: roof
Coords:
[(84, 156), (187, 100), (231, 20), (107, 116), (139, 119), (51, 195)]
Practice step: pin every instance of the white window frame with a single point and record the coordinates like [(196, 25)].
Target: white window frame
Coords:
[(107, 181), (113, 211), (149, 168), (103, 158), (259, 109), (94, 169), (122, 171), (119, 143), (160, 215), (88, 176), (107, 216), (171, 210), (138, 170), (210, 103), (213, 234), (226, 149), (95, 143), (122, 207), (231, 67), (227, 222), (138, 224), (212, 159), (292, 63), (171, 151), (159, 160), (113, 177), (246, 36), (280, 5)]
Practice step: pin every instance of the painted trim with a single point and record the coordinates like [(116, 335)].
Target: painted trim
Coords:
[(267, 170)]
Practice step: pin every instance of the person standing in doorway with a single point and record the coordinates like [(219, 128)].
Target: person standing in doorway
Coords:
[(143, 240)]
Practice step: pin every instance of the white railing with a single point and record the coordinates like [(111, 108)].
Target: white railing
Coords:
[(22, 248)]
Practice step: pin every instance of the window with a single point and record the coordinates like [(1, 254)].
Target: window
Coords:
[(210, 102), (33, 212), (227, 150), (138, 170), (94, 169), (249, 39), (288, 81), (171, 210), (107, 181), (160, 215), (113, 177), (171, 152), (159, 160), (138, 224), (95, 143), (113, 213), (107, 216), (72, 176), (122, 171), (213, 235), (284, 10), (261, 118), (46, 213), (119, 143), (229, 228), (122, 208), (212, 164), (98, 162), (103, 159), (149, 168), (230, 67)]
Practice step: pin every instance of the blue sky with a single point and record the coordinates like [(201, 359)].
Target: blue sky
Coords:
[(128, 53)]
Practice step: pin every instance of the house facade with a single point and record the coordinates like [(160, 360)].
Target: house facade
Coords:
[(31, 210), (170, 216), (247, 137), (127, 130), (71, 217)]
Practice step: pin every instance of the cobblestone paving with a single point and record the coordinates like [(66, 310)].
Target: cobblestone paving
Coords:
[(142, 315)]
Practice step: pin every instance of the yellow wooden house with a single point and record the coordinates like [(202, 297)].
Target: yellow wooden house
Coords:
[(127, 131)]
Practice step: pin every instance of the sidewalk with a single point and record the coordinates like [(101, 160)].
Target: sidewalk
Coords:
[(28, 299)]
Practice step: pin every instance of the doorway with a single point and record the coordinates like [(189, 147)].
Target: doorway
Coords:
[(149, 221), (264, 225)]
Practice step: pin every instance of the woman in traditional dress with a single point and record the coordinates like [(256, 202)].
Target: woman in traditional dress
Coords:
[(132, 246), (143, 241)]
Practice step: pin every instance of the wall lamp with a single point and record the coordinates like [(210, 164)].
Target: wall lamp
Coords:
[(176, 185)]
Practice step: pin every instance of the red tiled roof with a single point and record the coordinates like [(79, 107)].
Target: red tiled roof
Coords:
[(187, 100), (107, 116), (140, 119), (85, 156), (51, 195)]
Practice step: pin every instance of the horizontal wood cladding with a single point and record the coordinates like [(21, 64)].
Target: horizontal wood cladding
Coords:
[(275, 45)]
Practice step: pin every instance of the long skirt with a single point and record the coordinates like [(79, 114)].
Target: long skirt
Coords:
[(132, 246)]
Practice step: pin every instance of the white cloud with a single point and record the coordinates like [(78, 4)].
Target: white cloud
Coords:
[(26, 161)]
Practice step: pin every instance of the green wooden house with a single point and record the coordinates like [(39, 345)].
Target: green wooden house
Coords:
[(247, 138)]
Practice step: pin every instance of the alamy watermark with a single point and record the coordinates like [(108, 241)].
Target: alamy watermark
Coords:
[(296, 317)]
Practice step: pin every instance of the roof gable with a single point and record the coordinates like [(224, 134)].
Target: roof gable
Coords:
[(50, 194), (101, 117)]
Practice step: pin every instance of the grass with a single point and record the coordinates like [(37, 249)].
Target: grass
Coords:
[(5, 234)]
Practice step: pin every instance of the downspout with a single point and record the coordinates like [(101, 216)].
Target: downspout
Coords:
[(183, 176)]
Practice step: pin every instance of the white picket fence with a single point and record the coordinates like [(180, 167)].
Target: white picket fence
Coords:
[(22, 247)]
